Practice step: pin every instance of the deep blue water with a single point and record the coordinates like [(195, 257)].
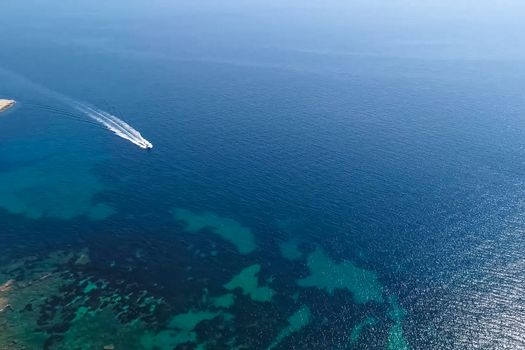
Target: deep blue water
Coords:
[(384, 144)]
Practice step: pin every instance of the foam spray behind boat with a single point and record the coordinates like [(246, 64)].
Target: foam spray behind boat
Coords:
[(118, 126), (111, 122)]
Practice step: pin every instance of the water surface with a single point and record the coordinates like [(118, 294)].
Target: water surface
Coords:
[(324, 176)]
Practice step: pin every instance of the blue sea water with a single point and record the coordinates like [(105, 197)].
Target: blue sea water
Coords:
[(324, 175)]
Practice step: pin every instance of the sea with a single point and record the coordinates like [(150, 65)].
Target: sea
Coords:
[(324, 175)]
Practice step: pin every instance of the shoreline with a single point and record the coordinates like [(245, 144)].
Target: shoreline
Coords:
[(6, 104)]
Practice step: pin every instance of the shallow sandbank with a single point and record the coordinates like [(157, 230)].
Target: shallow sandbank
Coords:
[(5, 104)]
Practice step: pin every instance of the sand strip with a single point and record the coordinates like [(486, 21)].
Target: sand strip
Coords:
[(5, 104)]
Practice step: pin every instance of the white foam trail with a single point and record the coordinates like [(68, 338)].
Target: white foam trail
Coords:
[(111, 122), (118, 126)]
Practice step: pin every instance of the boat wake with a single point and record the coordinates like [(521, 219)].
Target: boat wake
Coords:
[(110, 122), (118, 126)]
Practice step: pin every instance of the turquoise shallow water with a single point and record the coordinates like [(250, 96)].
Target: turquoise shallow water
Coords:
[(316, 182)]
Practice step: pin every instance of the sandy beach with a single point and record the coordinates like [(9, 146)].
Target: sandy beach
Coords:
[(5, 104)]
